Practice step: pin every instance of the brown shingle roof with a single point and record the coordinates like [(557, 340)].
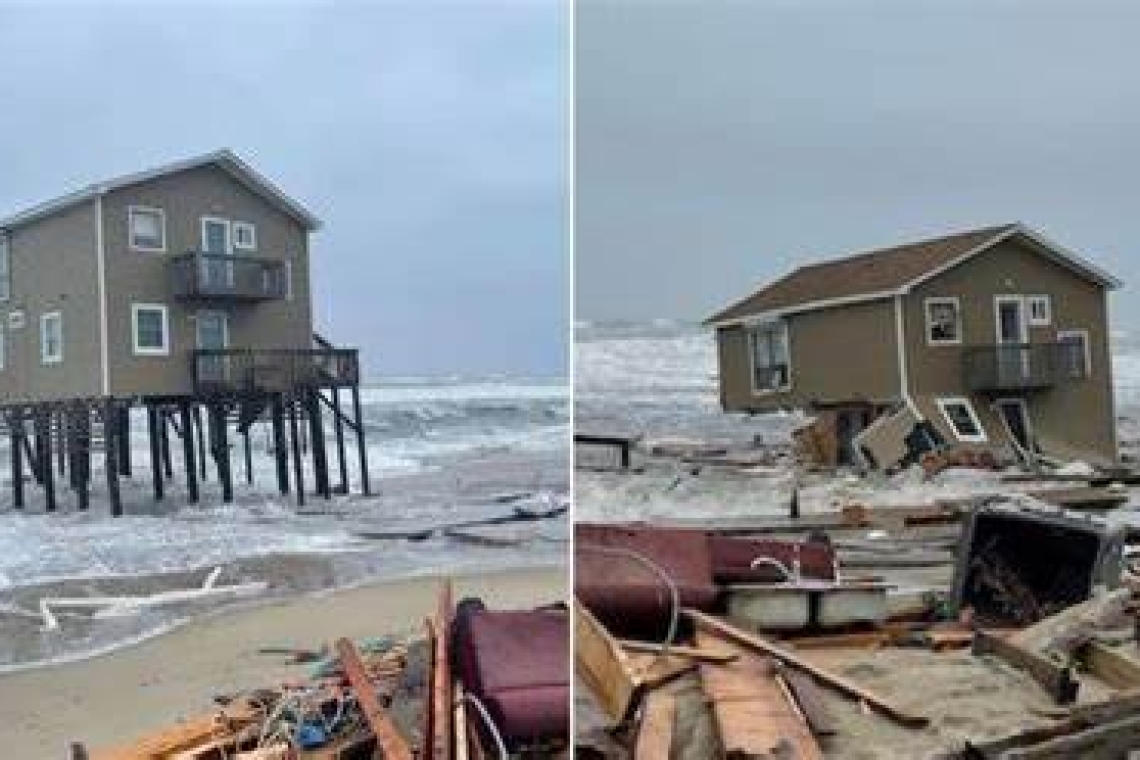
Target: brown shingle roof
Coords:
[(878, 271)]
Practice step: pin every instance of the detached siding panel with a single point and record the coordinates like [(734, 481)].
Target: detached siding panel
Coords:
[(1073, 418), (841, 354), (136, 276), (54, 268)]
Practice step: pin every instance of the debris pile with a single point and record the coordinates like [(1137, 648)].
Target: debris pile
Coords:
[(478, 683)]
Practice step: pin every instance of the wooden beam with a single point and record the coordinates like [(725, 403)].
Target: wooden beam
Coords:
[(655, 733), (441, 675), (392, 744), (188, 462), (16, 423), (755, 717), (809, 698), (156, 473), (1116, 669), (338, 433), (280, 442), (694, 653), (361, 447), (110, 457), (603, 665), (834, 680), (1056, 679)]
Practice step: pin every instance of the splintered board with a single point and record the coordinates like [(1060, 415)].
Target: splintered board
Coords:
[(753, 713)]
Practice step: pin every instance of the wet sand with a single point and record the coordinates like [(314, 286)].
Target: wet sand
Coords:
[(113, 698)]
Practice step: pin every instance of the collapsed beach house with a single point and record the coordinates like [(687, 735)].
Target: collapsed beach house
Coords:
[(183, 290), (992, 339)]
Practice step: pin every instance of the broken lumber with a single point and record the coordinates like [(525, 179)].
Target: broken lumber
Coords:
[(834, 680), (1116, 669), (754, 716), (387, 736), (186, 735), (1071, 628), (1055, 679), (809, 699), (441, 676), (655, 734), (695, 653), (604, 665)]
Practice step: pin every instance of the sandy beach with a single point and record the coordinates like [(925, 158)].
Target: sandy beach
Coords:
[(115, 697)]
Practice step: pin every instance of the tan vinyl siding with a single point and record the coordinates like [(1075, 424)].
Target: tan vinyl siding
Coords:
[(186, 197), (1074, 417), (841, 354), (53, 264)]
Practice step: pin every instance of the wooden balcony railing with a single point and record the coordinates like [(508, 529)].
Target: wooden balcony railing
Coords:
[(1021, 366), (220, 276), (241, 370)]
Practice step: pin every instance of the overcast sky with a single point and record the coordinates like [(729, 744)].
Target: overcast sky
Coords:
[(719, 144), (431, 140)]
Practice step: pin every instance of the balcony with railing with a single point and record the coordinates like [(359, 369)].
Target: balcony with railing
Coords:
[(1022, 366), (199, 275), (241, 370)]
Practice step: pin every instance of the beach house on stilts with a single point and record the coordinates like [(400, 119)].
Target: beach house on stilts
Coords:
[(184, 291)]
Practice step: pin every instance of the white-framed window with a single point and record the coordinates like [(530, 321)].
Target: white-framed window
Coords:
[(150, 329), (245, 236), (943, 321), (771, 364), (1076, 358), (51, 338), (959, 412), (1040, 311), (147, 229), (16, 320), (5, 269)]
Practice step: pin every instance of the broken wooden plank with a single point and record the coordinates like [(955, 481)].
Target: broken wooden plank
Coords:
[(1055, 679), (1107, 740), (603, 665), (441, 676), (655, 734), (809, 698), (695, 653), (184, 735), (834, 680), (754, 716), (388, 737), (459, 722), (1116, 669)]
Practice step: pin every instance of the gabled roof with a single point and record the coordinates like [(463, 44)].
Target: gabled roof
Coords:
[(224, 159), (888, 272)]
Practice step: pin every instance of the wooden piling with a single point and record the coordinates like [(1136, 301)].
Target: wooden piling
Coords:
[(155, 453), (44, 457), (16, 423), (317, 436), (80, 438), (164, 440), (201, 438), (298, 465), (280, 446), (248, 456), (123, 436), (361, 449), (110, 451), (338, 431), (221, 449), (60, 430), (187, 424)]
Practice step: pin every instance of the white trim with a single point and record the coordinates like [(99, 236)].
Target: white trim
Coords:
[(1083, 334), (1025, 417), (3, 348), (46, 358), (1040, 298), (787, 386), (136, 349), (775, 314), (946, 401), (937, 300), (224, 159), (203, 221), (6, 257), (237, 245), (16, 319), (101, 277), (288, 279), (900, 353), (131, 211)]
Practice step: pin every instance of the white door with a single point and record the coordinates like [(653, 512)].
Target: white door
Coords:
[(212, 332), (217, 241), (1013, 341)]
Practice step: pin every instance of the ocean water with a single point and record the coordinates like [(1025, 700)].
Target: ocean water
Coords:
[(440, 451)]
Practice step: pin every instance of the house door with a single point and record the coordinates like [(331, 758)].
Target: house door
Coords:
[(1015, 414), (212, 334), (1013, 341), (217, 242)]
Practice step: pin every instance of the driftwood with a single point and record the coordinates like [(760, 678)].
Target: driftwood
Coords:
[(834, 680)]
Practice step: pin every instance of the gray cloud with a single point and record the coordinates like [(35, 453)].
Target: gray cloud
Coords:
[(429, 137), (719, 144)]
